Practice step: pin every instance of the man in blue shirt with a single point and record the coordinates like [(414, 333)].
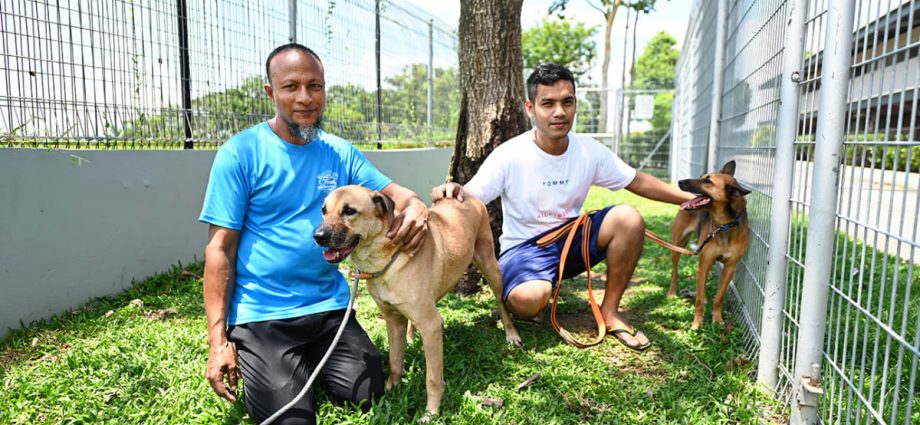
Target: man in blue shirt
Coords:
[(269, 295)]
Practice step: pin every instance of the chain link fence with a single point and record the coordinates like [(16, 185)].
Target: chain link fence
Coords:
[(177, 73), (817, 102)]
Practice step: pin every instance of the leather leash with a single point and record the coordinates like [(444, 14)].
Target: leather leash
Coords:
[(661, 241), (712, 233), (583, 224), (569, 230)]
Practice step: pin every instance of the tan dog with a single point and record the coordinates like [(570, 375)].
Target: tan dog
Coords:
[(719, 217), (355, 222)]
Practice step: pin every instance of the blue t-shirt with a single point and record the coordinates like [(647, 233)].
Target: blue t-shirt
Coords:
[(272, 192)]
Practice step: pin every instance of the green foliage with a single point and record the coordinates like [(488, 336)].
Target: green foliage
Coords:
[(655, 67), (655, 70), (558, 41), (587, 119), (405, 103), (858, 153), (217, 115), (763, 136), (867, 284), (350, 110), (661, 118), (884, 157), (607, 6)]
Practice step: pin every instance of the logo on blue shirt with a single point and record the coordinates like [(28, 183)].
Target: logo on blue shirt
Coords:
[(326, 182)]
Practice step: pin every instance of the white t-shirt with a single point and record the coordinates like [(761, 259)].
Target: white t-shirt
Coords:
[(540, 191)]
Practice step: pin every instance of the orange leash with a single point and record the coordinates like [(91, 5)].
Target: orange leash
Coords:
[(660, 241), (583, 224)]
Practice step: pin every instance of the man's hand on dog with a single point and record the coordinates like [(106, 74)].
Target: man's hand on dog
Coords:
[(447, 191), (410, 227), (221, 362)]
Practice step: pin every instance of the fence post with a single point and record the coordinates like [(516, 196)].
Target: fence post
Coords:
[(618, 139), (786, 129), (292, 29), (715, 116), (379, 88), (821, 235), (675, 127), (185, 73), (430, 78)]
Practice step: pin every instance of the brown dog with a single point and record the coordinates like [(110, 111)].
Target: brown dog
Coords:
[(355, 221), (719, 218)]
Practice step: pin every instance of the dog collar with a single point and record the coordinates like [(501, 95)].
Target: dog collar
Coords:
[(364, 275), (720, 229)]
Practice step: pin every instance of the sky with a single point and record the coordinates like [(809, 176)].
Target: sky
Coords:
[(670, 16)]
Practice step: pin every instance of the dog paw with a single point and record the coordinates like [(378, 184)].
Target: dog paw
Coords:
[(696, 324), (514, 340), (427, 417), (392, 382)]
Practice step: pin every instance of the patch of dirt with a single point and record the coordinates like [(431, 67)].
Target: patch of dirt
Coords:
[(13, 355)]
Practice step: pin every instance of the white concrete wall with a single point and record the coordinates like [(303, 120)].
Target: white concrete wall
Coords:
[(75, 225)]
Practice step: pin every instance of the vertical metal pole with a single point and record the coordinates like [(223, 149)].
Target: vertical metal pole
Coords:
[(185, 73), (783, 161), (430, 78), (617, 117), (632, 81), (676, 122), (379, 87), (819, 250), (717, 79), (292, 12), (621, 99)]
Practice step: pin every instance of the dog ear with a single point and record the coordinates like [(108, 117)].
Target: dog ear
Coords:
[(729, 168), (737, 189), (383, 205)]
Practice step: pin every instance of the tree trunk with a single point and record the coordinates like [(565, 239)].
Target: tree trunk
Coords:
[(610, 14), (491, 96)]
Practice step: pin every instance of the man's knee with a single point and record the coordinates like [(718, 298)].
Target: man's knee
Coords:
[(528, 298), (624, 224), (357, 382), (626, 217)]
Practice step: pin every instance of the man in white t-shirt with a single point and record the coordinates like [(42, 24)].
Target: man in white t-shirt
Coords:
[(543, 177)]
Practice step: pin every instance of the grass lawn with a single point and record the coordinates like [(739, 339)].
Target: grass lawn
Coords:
[(118, 361)]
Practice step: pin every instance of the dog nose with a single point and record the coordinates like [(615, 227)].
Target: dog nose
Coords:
[(321, 236)]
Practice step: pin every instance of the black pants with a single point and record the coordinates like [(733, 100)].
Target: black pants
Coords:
[(277, 356)]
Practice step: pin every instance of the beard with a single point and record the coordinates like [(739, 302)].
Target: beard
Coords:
[(304, 133)]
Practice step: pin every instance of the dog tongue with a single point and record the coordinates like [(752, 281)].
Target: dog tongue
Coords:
[(695, 202), (331, 254)]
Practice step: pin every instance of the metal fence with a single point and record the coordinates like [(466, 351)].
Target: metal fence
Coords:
[(174, 73), (637, 127), (817, 102)]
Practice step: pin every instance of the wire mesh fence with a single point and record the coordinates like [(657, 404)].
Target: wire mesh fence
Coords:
[(870, 344), (693, 101), (637, 127), (174, 73)]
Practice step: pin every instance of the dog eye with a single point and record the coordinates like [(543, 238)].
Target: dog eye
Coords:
[(349, 211), (706, 180), (324, 210)]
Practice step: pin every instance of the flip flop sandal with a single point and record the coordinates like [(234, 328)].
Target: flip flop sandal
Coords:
[(631, 332)]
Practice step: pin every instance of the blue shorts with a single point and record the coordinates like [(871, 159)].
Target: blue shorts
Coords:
[(527, 261)]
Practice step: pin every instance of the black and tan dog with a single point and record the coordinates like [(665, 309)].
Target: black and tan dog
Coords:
[(355, 222), (719, 218)]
